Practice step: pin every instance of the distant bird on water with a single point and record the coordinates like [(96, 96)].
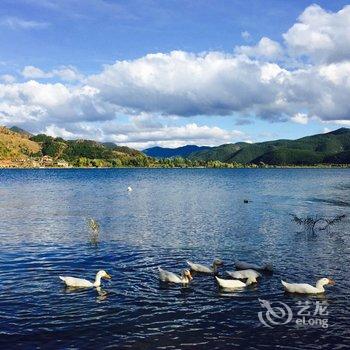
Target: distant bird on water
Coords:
[(129, 189)]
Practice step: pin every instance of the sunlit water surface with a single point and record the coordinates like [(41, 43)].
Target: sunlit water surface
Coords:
[(169, 217)]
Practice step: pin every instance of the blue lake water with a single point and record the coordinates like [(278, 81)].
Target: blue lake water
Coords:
[(170, 216)]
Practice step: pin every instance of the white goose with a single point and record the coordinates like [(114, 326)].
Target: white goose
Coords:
[(205, 269), (170, 277), (250, 274), (304, 288), (82, 283), (241, 265), (232, 284)]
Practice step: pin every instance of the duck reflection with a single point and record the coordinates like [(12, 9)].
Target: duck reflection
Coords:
[(102, 294)]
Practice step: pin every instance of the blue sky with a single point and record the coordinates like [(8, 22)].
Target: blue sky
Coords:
[(85, 69)]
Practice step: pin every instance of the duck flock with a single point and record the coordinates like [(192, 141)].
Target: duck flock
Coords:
[(245, 275)]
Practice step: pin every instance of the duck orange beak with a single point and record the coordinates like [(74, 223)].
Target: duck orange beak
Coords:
[(107, 276), (331, 281)]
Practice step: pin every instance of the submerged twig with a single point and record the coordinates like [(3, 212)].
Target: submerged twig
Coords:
[(95, 230), (316, 223)]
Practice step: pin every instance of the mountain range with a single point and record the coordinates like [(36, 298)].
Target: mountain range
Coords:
[(20, 148), (332, 147), (185, 151)]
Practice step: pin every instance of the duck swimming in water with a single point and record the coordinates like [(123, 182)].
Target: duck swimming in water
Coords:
[(232, 284), (206, 269), (83, 283), (241, 265), (304, 288), (170, 277), (250, 274)]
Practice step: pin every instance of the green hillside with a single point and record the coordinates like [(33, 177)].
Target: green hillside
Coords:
[(289, 156), (326, 148), (222, 153), (18, 130), (339, 158), (15, 146), (89, 153)]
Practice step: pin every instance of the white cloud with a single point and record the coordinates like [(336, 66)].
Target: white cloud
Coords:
[(300, 118), (7, 78), (246, 35), (318, 92), (345, 123), (185, 84), (55, 131), (32, 72), (266, 48), (48, 103), (66, 73), (320, 35), (19, 23), (189, 132), (336, 73)]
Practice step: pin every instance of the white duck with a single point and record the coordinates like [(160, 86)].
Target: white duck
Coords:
[(249, 274), (304, 288), (129, 189), (241, 265), (82, 283), (205, 269), (170, 277), (232, 284)]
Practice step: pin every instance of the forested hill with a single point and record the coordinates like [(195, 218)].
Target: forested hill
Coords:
[(20, 148), (184, 151), (332, 147)]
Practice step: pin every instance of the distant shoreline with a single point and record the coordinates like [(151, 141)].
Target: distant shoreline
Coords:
[(346, 166), (20, 150)]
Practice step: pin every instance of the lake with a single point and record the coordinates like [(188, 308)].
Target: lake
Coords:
[(172, 215)]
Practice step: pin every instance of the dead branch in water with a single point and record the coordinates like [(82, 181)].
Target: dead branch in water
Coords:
[(316, 223), (95, 230)]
